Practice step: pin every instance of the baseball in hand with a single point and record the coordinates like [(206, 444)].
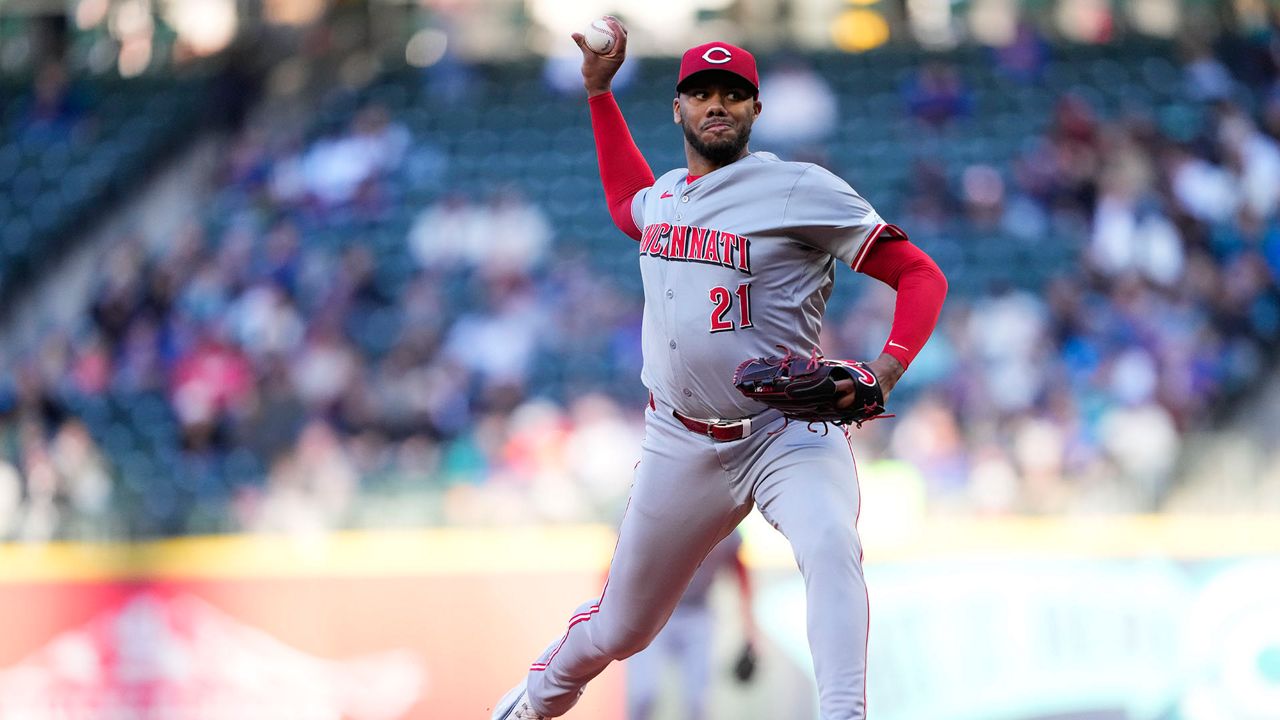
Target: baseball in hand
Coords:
[(599, 37)]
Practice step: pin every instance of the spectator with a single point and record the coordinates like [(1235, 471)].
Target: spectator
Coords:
[(511, 319), (274, 415), (1024, 59), (450, 80), (512, 234), (1255, 159), (54, 110), (445, 233), (84, 481), (325, 367), (1130, 232), (42, 511), (1203, 190), (310, 489), (264, 321), (338, 167), (1006, 332), (598, 435), (210, 385), (983, 197), (507, 234), (929, 436), (936, 95), (1207, 79), (802, 109), (932, 205)]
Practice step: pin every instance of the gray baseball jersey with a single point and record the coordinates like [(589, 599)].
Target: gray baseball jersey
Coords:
[(735, 264)]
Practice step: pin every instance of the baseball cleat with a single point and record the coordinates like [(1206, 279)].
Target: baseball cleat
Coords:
[(515, 705)]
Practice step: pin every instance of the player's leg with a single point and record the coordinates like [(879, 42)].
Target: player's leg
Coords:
[(808, 489), (695, 659), (680, 508)]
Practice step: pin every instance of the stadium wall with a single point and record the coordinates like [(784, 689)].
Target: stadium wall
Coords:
[(1149, 616)]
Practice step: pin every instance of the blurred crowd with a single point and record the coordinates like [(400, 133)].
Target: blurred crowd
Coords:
[(1079, 396), (1174, 314), (468, 368)]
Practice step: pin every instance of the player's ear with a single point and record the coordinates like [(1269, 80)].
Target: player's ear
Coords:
[(759, 107), (675, 110)]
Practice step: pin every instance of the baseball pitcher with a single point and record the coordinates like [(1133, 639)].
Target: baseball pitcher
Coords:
[(738, 254)]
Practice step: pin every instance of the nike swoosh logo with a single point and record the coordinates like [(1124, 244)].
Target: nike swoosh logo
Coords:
[(665, 195), (904, 347)]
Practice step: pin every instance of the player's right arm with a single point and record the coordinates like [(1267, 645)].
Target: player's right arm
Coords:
[(623, 170)]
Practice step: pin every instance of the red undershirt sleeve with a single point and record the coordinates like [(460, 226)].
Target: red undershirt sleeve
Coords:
[(921, 289), (623, 170)]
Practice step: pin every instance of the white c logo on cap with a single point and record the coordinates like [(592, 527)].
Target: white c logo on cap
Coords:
[(720, 60)]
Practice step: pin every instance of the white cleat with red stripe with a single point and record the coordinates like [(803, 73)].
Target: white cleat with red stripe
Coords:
[(515, 706)]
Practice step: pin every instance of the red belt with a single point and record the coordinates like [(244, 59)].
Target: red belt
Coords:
[(719, 431)]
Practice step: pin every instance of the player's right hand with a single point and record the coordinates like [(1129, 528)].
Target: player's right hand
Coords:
[(598, 70)]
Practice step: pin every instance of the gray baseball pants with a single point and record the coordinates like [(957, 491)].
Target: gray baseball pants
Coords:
[(689, 492)]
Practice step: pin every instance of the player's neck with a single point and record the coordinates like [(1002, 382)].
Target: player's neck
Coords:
[(699, 165)]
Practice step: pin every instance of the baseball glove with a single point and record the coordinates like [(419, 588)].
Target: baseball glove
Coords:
[(805, 388)]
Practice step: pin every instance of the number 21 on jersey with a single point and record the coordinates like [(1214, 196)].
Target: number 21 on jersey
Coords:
[(722, 300)]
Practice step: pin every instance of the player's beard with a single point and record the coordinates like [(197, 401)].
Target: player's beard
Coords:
[(719, 152)]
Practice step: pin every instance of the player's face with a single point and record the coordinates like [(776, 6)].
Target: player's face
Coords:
[(716, 112)]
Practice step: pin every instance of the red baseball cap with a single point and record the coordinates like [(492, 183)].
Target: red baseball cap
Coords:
[(719, 56)]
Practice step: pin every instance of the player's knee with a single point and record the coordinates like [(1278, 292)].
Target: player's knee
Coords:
[(630, 644), (625, 642), (826, 543)]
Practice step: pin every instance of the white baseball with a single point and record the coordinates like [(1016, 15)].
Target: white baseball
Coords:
[(599, 37)]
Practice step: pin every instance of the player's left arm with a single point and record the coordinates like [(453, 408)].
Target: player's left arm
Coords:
[(922, 288), (825, 212)]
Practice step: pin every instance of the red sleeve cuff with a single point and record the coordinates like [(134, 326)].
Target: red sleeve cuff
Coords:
[(903, 356)]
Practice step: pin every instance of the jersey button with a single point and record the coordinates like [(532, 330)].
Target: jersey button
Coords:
[(688, 392), (670, 294), (684, 198), (672, 344)]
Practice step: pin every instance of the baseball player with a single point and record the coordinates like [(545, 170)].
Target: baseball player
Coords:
[(738, 253), (686, 639)]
